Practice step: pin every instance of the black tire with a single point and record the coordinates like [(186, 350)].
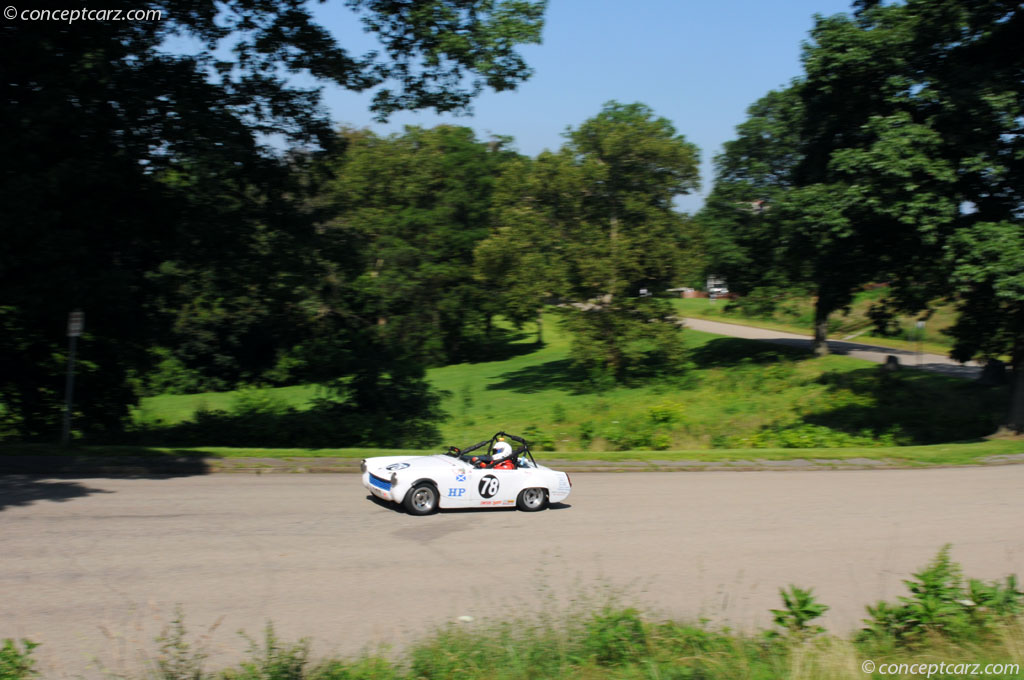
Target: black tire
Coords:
[(422, 499), (532, 500)]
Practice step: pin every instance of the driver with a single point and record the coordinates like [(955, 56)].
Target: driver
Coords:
[(501, 452)]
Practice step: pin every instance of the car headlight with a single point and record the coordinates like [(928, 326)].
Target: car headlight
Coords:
[(394, 478), (362, 466)]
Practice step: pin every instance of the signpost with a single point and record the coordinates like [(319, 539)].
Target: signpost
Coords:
[(76, 322), (920, 338)]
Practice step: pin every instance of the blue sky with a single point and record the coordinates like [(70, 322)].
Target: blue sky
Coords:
[(699, 64)]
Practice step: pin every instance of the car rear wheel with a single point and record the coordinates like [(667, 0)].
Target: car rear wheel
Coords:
[(532, 500), (421, 499)]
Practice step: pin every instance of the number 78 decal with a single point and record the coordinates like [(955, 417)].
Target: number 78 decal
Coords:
[(488, 486)]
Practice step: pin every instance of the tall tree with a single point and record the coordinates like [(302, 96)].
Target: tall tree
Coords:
[(799, 158), (117, 157), (773, 226), (525, 260), (911, 158), (418, 204), (752, 175), (597, 220), (938, 161)]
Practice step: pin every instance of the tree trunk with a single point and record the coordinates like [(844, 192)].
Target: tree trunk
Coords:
[(1015, 418), (540, 327), (820, 343), (613, 253), (615, 366)]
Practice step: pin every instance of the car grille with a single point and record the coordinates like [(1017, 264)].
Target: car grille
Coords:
[(380, 483)]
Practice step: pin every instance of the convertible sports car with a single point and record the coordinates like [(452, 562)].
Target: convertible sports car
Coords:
[(455, 479)]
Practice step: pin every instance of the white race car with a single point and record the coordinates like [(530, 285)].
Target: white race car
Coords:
[(423, 484)]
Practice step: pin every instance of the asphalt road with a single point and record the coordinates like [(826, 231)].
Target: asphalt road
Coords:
[(94, 568), (936, 363)]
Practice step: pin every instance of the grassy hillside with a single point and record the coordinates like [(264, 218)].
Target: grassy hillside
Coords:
[(738, 394), (796, 315)]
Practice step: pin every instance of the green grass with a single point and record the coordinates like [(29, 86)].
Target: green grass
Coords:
[(177, 408), (960, 453), (610, 643), (739, 394), (737, 387)]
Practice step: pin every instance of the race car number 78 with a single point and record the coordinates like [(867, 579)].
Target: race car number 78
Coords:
[(488, 486)]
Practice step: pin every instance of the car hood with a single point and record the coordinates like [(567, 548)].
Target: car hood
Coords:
[(383, 466)]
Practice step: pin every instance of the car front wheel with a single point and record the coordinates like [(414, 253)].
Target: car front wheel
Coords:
[(421, 499), (532, 500)]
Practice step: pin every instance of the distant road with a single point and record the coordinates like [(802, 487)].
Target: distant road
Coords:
[(936, 363), (94, 568)]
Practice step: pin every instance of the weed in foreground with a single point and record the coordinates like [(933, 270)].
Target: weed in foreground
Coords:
[(273, 659), (941, 604), (800, 607), (16, 661), (179, 659)]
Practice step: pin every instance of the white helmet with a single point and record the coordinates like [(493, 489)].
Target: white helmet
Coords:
[(502, 449)]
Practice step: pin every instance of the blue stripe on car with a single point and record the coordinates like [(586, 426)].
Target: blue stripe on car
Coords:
[(380, 483)]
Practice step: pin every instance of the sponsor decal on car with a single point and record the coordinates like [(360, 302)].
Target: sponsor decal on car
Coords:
[(455, 492), (461, 477)]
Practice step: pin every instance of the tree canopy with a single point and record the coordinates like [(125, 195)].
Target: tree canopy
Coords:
[(905, 167), (144, 187), (593, 224), (414, 207)]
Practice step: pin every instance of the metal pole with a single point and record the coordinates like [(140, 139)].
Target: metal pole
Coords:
[(920, 339), (76, 322), (69, 387)]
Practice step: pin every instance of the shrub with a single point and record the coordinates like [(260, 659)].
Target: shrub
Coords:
[(367, 668), (629, 436), (538, 440), (661, 414), (178, 659), (261, 420), (451, 653), (800, 608), (940, 603), (466, 397), (15, 661), (170, 375), (273, 660), (926, 409), (615, 636), (661, 441), (624, 341), (586, 434), (760, 303), (807, 436)]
